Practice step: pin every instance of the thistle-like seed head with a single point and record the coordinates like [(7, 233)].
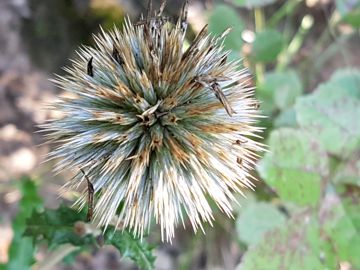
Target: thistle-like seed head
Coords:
[(158, 129)]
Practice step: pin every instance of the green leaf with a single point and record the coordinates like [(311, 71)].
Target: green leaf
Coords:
[(256, 219), (330, 113), (353, 18), (284, 87), (61, 226), (267, 46), (223, 17), (135, 249), (340, 219), (296, 246), (22, 249), (57, 227), (294, 166), (286, 118), (253, 3)]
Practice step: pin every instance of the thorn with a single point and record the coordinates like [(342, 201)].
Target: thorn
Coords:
[(90, 71), (226, 32)]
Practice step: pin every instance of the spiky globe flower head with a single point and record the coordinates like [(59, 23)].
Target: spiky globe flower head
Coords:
[(157, 128)]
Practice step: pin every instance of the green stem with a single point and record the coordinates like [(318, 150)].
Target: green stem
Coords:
[(259, 26), (287, 8), (286, 56)]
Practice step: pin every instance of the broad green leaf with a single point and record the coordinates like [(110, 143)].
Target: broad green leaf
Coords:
[(284, 87), (253, 3), (349, 80), (331, 112), (22, 249), (286, 118), (223, 17), (295, 246), (58, 227), (256, 219), (294, 166), (340, 219), (267, 45)]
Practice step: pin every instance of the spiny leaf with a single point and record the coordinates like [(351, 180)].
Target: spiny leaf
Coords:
[(57, 227), (61, 226), (135, 249)]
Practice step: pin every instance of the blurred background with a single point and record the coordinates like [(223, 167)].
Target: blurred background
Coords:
[(305, 59)]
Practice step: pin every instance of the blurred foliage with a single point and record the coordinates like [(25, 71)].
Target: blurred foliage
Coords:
[(66, 226), (312, 219), (305, 213), (58, 27), (21, 253), (62, 228)]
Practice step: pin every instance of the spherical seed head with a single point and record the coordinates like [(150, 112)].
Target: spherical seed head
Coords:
[(157, 128)]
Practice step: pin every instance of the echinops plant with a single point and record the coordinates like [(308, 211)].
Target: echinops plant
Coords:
[(157, 129)]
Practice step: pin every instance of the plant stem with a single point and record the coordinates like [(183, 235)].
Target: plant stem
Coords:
[(287, 8), (259, 26), (295, 44)]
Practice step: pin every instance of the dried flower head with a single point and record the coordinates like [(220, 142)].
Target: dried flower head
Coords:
[(157, 129)]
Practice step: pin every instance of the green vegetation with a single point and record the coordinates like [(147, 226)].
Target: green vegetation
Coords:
[(305, 211)]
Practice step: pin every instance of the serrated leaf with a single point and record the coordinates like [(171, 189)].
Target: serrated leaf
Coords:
[(296, 246), (57, 227), (330, 111), (135, 249), (294, 166), (253, 3), (256, 219), (223, 17), (21, 248), (267, 46)]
